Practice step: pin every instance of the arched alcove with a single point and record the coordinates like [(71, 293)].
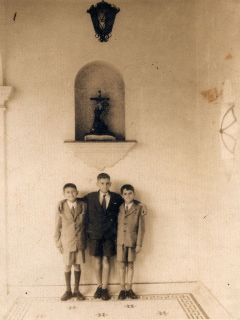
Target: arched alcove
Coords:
[(94, 77)]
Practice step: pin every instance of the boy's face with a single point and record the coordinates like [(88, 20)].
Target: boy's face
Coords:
[(70, 194), (103, 185), (128, 196)]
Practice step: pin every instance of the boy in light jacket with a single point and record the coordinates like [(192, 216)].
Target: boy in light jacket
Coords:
[(70, 237), (131, 228)]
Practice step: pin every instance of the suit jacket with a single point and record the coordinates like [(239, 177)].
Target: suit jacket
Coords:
[(131, 226), (70, 232), (102, 224)]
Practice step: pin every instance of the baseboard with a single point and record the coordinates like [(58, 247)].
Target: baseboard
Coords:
[(146, 288)]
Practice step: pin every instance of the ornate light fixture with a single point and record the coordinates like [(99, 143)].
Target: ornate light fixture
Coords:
[(103, 15)]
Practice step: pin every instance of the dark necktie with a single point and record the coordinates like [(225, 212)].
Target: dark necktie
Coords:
[(126, 210), (73, 212), (104, 206)]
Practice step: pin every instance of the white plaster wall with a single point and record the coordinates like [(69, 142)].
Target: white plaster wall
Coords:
[(219, 241), (167, 52)]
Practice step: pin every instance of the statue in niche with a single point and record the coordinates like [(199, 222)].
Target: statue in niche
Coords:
[(99, 129)]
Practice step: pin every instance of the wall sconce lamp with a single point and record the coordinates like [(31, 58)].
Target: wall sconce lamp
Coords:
[(103, 15)]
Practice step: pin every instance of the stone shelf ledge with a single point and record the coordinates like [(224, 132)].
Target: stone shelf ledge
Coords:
[(100, 154)]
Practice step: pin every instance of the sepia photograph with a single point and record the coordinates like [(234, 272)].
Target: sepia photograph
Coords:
[(119, 159)]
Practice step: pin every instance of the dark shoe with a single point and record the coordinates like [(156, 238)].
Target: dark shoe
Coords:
[(98, 293), (78, 295), (130, 294), (105, 294), (67, 295), (122, 295)]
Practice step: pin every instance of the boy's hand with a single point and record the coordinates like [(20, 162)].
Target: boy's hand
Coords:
[(60, 249), (78, 246), (144, 209), (138, 249), (60, 205)]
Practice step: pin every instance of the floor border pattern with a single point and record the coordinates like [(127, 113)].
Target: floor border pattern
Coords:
[(188, 302)]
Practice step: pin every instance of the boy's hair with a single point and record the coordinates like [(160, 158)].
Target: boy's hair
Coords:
[(69, 185), (103, 176), (127, 187)]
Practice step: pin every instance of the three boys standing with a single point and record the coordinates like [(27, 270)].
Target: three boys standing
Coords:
[(101, 215)]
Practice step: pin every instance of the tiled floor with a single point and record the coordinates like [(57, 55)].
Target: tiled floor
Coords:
[(189, 300)]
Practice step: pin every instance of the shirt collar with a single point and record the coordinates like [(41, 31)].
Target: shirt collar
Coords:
[(102, 194), (128, 205), (72, 204)]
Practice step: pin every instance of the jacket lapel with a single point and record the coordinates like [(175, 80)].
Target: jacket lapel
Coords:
[(96, 200), (67, 211), (110, 200), (132, 209), (77, 210)]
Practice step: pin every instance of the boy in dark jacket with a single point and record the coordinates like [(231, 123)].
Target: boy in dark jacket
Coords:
[(102, 214)]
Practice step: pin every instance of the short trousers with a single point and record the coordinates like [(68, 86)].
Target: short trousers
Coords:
[(70, 258), (126, 254), (102, 247)]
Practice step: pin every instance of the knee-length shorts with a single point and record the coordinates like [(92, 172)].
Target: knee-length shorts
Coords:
[(74, 257), (102, 247), (126, 254)]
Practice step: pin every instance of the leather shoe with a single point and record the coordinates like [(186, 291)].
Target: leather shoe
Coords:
[(130, 294), (98, 293), (122, 295), (67, 295), (105, 294), (78, 295)]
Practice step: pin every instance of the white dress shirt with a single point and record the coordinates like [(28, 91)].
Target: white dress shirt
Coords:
[(128, 206), (101, 194), (72, 204)]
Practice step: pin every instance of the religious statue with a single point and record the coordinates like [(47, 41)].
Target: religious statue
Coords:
[(99, 129)]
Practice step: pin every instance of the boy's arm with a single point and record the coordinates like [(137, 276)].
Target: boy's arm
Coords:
[(86, 210), (82, 239), (144, 207), (58, 228), (60, 205), (141, 230)]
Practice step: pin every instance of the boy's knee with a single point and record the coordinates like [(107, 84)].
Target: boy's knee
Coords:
[(122, 265), (106, 262), (68, 268), (77, 267)]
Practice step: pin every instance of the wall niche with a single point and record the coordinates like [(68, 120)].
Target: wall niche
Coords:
[(94, 77)]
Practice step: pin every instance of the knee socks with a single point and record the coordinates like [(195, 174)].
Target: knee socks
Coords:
[(77, 275), (68, 280)]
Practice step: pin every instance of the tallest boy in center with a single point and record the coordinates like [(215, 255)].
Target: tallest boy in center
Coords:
[(102, 214)]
